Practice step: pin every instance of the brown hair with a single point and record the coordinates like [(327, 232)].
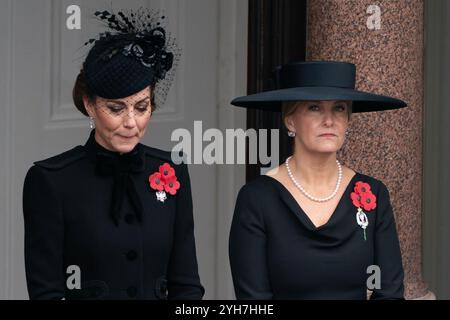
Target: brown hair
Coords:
[(80, 90)]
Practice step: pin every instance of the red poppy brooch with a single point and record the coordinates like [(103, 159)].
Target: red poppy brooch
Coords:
[(164, 181), (363, 198)]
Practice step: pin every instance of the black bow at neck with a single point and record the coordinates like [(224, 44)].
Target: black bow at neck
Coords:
[(120, 166)]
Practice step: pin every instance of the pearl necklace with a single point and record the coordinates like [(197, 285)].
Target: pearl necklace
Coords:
[(298, 185)]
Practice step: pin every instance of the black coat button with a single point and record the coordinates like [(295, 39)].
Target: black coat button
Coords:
[(161, 288), (131, 255), (129, 218), (132, 291)]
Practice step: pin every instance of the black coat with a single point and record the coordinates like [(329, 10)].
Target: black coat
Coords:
[(276, 252), (141, 248)]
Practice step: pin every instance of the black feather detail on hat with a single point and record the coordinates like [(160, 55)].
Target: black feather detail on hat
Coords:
[(132, 36)]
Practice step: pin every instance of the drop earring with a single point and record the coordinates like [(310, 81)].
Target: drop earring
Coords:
[(91, 123), (291, 134)]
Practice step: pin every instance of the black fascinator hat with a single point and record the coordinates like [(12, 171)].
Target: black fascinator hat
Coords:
[(134, 53), (317, 80)]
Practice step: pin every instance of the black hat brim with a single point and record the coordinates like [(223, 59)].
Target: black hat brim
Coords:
[(362, 101)]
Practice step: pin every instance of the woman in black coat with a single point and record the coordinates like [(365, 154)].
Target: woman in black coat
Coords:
[(113, 219), (313, 228)]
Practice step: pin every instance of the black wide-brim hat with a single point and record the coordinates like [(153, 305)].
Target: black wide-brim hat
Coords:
[(316, 81)]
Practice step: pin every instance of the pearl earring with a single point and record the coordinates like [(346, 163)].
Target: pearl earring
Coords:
[(91, 123), (291, 134)]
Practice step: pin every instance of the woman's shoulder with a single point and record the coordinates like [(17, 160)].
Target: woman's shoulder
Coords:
[(46, 169), (172, 157), (63, 159), (261, 187), (159, 153), (376, 184)]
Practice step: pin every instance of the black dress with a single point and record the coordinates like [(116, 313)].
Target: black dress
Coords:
[(94, 209), (276, 252)]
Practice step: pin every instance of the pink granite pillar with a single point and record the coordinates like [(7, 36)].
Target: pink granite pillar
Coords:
[(386, 145)]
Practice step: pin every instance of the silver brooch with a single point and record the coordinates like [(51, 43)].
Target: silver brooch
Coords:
[(361, 219), (161, 196)]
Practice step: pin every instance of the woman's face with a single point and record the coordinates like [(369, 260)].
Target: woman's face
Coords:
[(320, 126), (120, 123)]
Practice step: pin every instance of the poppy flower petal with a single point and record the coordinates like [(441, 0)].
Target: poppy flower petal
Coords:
[(362, 187), (355, 199), (156, 182), (166, 171), (164, 180), (368, 201)]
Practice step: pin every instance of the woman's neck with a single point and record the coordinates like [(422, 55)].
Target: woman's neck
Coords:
[(103, 144), (314, 169)]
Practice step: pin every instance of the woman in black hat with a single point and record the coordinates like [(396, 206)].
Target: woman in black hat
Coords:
[(113, 219), (313, 228)]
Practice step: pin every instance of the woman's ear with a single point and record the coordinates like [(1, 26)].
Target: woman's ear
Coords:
[(289, 123), (88, 106)]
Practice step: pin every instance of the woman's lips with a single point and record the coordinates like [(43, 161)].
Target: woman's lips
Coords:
[(327, 135), (126, 137)]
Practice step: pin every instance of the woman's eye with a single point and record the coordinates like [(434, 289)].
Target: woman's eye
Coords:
[(142, 108), (313, 107), (340, 108), (115, 109)]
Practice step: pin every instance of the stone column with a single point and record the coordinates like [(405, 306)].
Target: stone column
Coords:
[(388, 53)]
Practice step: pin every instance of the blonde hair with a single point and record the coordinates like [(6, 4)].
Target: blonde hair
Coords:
[(288, 108)]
